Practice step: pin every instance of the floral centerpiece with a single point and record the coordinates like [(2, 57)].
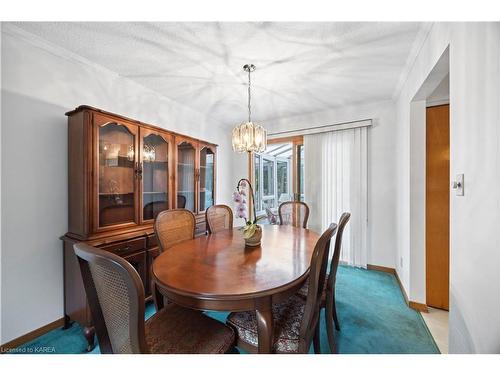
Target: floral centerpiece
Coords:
[(252, 232)]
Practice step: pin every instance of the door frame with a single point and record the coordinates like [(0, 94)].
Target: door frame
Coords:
[(411, 264)]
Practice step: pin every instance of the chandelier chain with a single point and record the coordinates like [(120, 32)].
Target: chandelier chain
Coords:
[(248, 136), (249, 97)]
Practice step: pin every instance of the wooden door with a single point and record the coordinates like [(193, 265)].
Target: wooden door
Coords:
[(437, 228)]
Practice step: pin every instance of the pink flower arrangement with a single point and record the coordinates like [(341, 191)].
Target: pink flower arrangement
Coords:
[(241, 205), (237, 198), (240, 198)]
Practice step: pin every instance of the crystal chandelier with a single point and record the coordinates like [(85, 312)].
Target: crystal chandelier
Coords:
[(249, 136)]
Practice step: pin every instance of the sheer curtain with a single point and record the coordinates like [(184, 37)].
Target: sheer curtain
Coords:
[(335, 181)]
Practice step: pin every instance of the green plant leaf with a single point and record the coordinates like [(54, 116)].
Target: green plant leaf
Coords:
[(249, 230), (260, 218)]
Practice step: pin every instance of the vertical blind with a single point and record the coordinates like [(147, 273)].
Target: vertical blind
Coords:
[(335, 181)]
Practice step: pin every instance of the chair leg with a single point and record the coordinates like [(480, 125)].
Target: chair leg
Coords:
[(334, 313), (158, 299), (316, 340), (329, 325), (233, 350)]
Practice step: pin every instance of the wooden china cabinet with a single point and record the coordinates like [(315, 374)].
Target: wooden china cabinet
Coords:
[(121, 174)]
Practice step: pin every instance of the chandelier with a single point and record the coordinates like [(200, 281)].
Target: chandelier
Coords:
[(249, 136)]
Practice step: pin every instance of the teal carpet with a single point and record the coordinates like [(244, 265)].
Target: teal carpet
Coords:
[(373, 319)]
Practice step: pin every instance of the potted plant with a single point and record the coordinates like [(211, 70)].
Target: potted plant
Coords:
[(252, 232)]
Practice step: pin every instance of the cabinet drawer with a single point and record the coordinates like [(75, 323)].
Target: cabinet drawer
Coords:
[(139, 262), (200, 225), (153, 253), (200, 228), (152, 241), (126, 247)]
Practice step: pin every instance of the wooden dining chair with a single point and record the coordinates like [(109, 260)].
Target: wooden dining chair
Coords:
[(116, 298), (296, 321), (328, 295), (219, 217), (294, 213), (174, 226)]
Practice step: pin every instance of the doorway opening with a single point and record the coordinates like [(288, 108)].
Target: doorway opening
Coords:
[(277, 175), (430, 200)]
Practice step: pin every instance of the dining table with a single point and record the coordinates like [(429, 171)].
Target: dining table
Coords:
[(218, 272)]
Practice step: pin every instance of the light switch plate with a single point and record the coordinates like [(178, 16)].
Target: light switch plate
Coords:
[(458, 184)]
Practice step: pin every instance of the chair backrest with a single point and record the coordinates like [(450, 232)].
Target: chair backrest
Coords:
[(181, 201), (174, 226), (116, 298), (317, 276), (344, 218), (294, 213), (219, 217)]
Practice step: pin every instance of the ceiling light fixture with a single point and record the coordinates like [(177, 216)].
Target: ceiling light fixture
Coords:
[(248, 136)]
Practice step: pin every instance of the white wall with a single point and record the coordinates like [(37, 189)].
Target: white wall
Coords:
[(441, 95), (381, 169), (474, 143), (40, 83)]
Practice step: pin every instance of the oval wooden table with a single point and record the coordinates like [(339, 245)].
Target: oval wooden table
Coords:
[(217, 272)]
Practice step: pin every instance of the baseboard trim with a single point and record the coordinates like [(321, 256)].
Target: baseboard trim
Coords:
[(8, 346), (381, 268), (421, 307), (403, 291)]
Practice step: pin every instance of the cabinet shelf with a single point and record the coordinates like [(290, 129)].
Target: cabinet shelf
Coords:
[(111, 194), (156, 162)]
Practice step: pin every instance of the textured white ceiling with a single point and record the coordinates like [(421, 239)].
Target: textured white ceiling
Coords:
[(301, 67)]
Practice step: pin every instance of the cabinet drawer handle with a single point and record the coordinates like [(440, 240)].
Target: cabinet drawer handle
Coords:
[(123, 249)]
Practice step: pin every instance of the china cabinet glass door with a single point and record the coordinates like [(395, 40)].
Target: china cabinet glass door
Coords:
[(155, 177), (186, 177), (117, 180), (207, 179)]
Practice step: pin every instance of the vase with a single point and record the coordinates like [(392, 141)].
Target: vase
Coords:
[(255, 239)]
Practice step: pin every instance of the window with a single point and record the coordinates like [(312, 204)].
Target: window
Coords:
[(268, 182), (300, 171), (282, 178), (272, 176), (257, 182), (268, 177)]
